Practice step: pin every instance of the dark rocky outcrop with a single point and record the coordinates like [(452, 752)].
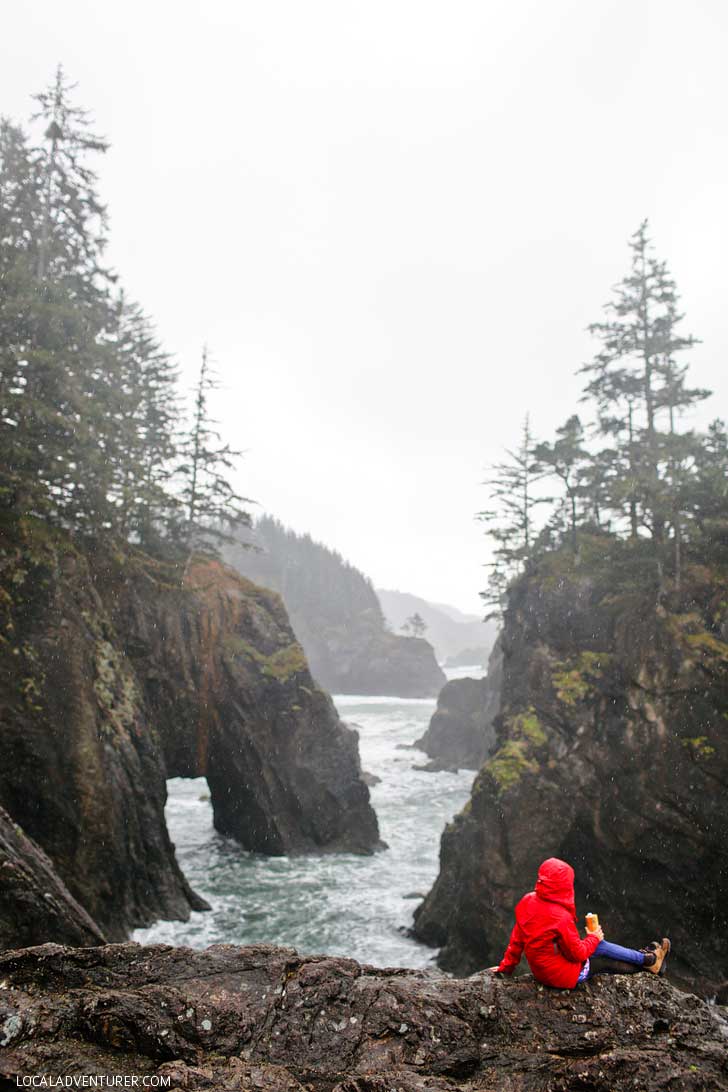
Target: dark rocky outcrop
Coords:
[(336, 616), (229, 688), (267, 1019), (117, 672), (461, 731), (376, 662), (81, 769), (34, 901), (611, 752)]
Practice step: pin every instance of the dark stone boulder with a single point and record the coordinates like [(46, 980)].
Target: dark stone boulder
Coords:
[(461, 731), (34, 901), (611, 752), (267, 1019)]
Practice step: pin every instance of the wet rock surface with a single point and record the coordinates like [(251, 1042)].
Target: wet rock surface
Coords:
[(265, 1018), (34, 901), (612, 753), (461, 731)]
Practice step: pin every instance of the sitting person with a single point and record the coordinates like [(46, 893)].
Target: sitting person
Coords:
[(546, 931)]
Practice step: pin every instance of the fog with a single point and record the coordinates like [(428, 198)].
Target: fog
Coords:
[(392, 223)]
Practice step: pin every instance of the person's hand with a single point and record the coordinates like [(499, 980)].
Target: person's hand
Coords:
[(493, 970), (598, 932)]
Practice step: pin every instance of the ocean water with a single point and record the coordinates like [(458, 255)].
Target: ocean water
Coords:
[(338, 904)]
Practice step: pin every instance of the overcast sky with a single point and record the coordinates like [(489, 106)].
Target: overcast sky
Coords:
[(392, 221)]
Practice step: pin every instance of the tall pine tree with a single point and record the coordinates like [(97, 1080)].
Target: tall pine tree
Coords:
[(633, 378), (211, 505), (510, 518)]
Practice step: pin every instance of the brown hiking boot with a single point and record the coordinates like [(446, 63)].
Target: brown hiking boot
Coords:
[(649, 954), (660, 952)]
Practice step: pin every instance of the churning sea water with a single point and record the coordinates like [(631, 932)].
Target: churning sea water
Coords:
[(338, 904)]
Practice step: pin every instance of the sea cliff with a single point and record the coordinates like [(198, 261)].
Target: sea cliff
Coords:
[(611, 751), (118, 671)]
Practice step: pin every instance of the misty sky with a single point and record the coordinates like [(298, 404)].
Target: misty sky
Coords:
[(392, 222)]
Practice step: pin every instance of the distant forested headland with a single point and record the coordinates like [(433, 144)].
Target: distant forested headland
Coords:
[(336, 614)]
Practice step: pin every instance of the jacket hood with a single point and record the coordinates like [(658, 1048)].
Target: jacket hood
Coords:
[(555, 883)]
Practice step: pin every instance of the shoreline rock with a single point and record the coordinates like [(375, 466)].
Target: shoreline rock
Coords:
[(34, 901), (461, 731), (269, 1019)]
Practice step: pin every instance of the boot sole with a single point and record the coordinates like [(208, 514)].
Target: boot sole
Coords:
[(666, 947), (665, 940)]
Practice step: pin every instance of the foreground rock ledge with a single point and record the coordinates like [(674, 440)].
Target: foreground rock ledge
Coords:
[(268, 1019)]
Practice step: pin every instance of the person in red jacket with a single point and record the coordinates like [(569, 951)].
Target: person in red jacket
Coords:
[(546, 932)]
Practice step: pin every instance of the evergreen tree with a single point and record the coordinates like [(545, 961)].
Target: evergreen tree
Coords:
[(19, 219), (88, 402), (74, 222), (566, 459), (415, 624), (145, 450), (706, 507), (211, 505), (511, 519), (634, 377), (53, 316)]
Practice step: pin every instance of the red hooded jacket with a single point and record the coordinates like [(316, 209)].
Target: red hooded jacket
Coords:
[(546, 931)]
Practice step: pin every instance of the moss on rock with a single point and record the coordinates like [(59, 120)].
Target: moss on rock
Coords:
[(698, 746), (281, 665), (510, 763), (574, 679)]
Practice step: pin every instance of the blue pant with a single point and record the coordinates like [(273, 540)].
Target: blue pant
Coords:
[(612, 951), (616, 951)]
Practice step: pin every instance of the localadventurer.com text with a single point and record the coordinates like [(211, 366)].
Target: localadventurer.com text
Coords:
[(38, 1080)]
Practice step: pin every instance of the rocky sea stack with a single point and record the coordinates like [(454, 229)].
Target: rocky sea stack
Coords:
[(269, 1020), (117, 672), (612, 752), (461, 732)]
